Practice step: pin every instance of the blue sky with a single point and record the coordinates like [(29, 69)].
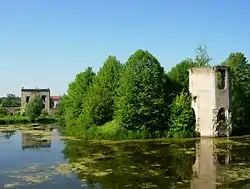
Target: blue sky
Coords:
[(45, 43)]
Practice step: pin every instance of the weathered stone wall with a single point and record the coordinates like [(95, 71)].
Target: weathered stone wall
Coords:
[(12, 110), (202, 83), (208, 99), (31, 93)]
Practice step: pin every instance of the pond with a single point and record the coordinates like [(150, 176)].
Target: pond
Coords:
[(40, 158)]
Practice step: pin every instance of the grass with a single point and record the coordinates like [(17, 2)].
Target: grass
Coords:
[(11, 120), (109, 131)]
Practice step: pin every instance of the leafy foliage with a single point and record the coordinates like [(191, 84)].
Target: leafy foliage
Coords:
[(3, 111), (99, 102), (180, 74), (10, 101), (73, 103), (140, 103), (239, 69), (182, 120), (202, 58), (139, 100), (34, 107)]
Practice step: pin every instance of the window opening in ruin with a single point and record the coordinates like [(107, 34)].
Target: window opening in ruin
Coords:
[(43, 97), (221, 121), (194, 99), (27, 99), (43, 105), (221, 77)]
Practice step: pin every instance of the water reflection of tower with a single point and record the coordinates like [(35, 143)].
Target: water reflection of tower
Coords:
[(207, 161), (35, 140)]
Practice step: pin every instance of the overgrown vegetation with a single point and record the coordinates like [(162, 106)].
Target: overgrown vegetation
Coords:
[(33, 112), (10, 101), (34, 108), (11, 120), (138, 99)]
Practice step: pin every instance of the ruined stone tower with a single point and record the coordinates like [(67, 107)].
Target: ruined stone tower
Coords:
[(211, 100)]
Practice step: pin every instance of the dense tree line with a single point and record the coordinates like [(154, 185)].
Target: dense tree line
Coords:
[(138, 99), (10, 100)]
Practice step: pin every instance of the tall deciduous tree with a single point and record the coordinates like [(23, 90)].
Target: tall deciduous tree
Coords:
[(76, 93), (99, 101), (239, 70), (140, 103)]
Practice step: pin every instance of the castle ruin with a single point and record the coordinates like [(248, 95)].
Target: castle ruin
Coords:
[(211, 100)]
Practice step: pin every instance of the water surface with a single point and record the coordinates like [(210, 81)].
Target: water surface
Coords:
[(38, 158)]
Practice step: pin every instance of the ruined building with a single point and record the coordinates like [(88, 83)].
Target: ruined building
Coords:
[(211, 100), (27, 94)]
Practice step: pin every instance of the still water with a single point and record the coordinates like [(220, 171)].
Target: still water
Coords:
[(42, 159)]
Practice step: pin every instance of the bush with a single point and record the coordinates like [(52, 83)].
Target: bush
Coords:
[(110, 131), (9, 120), (3, 111), (44, 113), (34, 108), (22, 112), (182, 117)]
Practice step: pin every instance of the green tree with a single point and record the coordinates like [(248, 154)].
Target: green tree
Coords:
[(182, 117), (73, 103), (202, 57), (10, 101), (34, 108), (62, 108), (140, 102), (180, 74), (99, 101), (239, 70)]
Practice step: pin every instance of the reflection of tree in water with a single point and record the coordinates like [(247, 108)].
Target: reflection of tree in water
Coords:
[(133, 164), (7, 134)]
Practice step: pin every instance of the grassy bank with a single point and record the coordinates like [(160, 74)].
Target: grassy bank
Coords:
[(110, 131), (7, 120)]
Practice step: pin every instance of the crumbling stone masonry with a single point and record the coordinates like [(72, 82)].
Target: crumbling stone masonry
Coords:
[(211, 100), (27, 94)]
